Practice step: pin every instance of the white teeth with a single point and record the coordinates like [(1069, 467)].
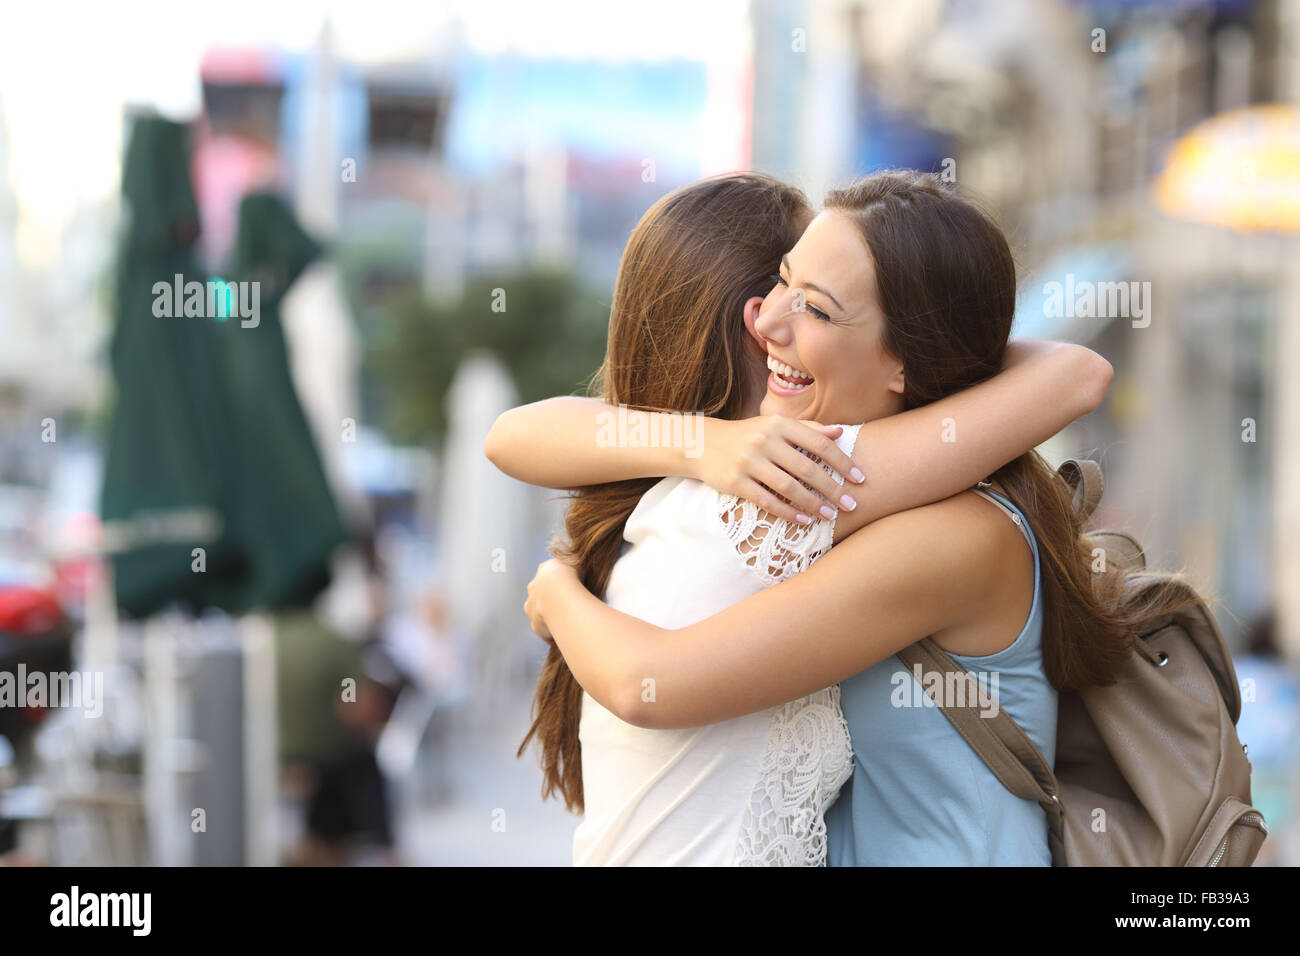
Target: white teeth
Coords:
[(781, 369), (787, 377)]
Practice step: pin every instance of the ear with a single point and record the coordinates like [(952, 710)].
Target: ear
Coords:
[(752, 307), (896, 382)]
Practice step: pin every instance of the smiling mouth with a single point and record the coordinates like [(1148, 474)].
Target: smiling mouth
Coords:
[(788, 379)]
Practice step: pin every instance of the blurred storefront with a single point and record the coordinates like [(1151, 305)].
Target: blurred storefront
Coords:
[(1061, 116)]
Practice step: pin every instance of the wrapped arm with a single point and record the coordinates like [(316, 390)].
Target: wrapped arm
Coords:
[(898, 580), (556, 443), (914, 458), (933, 452), (573, 442)]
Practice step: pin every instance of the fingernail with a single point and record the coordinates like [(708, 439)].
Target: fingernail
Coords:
[(847, 503), (857, 476), (827, 512), (803, 518)]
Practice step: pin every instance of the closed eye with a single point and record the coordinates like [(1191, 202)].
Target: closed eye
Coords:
[(777, 279)]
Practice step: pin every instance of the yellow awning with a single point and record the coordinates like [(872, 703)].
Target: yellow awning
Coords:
[(1239, 169)]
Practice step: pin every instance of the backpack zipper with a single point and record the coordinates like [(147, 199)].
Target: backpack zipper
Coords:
[(1247, 819)]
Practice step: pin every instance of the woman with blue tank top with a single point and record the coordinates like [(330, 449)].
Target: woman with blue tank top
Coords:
[(919, 794), (899, 294)]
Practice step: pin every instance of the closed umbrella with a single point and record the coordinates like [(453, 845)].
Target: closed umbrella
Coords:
[(208, 446), (283, 515), (162, 494)]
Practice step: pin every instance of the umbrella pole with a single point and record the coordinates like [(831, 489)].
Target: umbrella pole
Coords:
[(100, 652), (261, 742), (166, 817)]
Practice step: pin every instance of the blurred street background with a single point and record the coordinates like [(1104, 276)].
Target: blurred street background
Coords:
[(265, 529)]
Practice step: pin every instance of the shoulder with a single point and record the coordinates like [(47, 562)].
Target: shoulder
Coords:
[(971, 520), (922, 571), (964, 539)]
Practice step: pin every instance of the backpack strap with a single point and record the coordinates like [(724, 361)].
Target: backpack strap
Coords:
[(999, 741), (1083, 475), (1121, 548)]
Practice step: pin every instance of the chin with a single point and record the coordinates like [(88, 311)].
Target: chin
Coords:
[(787, 407)]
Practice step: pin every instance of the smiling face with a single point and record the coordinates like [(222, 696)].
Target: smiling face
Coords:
[(822, 327)]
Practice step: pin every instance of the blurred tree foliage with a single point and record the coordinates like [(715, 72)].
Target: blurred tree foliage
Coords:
[(550, 335)]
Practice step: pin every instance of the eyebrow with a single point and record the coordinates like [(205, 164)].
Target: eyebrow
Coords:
[(785, 261)]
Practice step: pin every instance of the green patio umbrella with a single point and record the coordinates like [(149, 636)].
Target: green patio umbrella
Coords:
[(208, 445), (162, 494), (283, 514)]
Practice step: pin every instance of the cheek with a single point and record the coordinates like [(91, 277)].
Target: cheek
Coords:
[(832, 355), (854, 365), (882, 369)]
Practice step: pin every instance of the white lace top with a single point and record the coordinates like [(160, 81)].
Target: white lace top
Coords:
[(752, 791)]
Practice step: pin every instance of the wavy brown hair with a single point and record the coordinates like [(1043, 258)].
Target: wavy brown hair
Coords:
[(946, 282), (677, 343)]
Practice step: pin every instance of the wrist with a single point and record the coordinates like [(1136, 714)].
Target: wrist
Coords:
[(689, 453), (563, 594), (556, 578)]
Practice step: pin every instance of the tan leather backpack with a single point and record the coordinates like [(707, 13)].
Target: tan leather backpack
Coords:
[(1149, 771)]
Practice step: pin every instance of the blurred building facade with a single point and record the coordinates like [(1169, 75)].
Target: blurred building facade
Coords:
[(1060, 116)]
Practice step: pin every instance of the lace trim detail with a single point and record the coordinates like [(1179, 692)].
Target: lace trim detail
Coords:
[(774, 547), (809, 754), (808, 758)]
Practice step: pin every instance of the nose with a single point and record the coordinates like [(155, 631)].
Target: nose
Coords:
[(773, 320)]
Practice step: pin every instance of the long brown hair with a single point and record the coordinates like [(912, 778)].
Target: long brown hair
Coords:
[(677, 343), (946, 281)]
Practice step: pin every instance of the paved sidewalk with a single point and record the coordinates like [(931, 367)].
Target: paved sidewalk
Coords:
[(491, 812)]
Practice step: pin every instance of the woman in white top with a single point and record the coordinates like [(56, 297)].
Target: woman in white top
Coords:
[(749, 791), (752, 790)]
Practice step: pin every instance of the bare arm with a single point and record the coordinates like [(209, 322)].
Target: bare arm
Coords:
[(930, 453), (571, 442), (910, 459), (557, 443), (910, 575)]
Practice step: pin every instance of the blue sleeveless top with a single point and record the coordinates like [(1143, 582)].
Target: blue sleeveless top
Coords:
[(919, 795)]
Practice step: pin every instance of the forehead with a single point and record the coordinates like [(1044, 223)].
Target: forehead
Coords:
[(832, 254)]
